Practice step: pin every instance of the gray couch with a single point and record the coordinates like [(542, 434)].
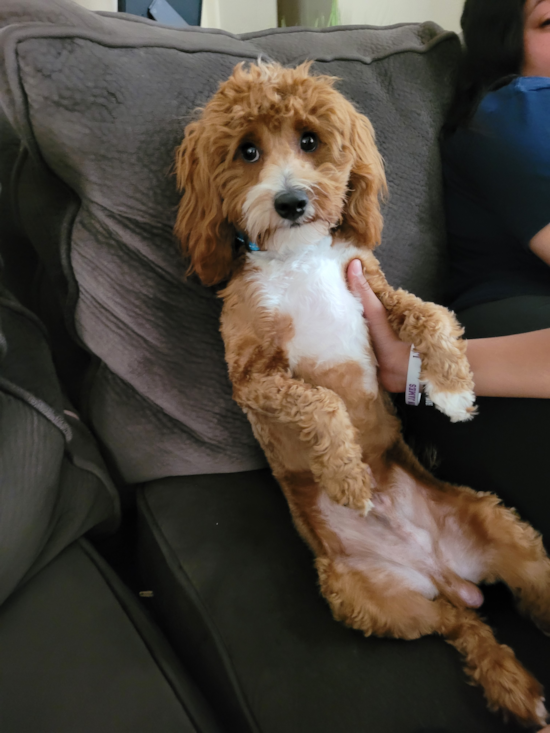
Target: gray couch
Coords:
[(92, 107)]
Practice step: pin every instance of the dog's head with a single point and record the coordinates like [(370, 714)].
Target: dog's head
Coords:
[(275, 150)]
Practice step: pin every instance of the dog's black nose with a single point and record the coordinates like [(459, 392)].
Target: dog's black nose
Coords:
[(291, 204)]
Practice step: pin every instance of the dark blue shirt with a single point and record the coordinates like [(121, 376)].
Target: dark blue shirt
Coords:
[(497, 194)]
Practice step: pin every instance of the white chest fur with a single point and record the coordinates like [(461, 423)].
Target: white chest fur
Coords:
[(308, 285)]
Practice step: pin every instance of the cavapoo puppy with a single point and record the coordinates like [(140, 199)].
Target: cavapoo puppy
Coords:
[(283, 159)]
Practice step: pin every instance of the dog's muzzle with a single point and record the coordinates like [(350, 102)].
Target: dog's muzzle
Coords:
[(291, 204)]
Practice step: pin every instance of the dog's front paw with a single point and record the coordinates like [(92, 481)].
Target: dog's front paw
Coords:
[(352, 488), (360, 500), (362, 507), (459, 406)]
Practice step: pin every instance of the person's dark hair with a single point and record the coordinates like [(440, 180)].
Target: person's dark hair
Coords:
[(493, 39)]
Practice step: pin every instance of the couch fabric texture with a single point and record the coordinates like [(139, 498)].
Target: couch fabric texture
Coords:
[(54, 485), (100, 103), (80, 654), (221, 552)]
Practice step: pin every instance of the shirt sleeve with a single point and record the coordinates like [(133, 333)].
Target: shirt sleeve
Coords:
[(506, 151)]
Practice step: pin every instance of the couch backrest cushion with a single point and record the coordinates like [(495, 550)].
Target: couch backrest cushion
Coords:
[(54, 486), (101, 102)]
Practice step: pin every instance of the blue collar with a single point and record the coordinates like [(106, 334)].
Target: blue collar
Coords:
[(243, 240)]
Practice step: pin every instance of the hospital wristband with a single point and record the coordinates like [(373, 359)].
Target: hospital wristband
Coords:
[(413, 392)]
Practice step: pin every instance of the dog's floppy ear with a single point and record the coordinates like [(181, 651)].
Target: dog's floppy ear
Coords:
[(362, 219), (205, 235)]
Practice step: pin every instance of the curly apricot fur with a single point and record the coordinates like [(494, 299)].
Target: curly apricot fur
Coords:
[(323, 433)]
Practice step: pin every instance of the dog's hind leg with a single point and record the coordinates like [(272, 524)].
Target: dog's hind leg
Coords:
[(366, 605), (374, 607), (513, 553), (507, 685)]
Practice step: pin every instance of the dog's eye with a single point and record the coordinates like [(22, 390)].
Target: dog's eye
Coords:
[(309, 142), (250, 152)]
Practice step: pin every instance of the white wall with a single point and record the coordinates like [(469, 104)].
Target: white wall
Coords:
[(239, 16), (242, 16), (236, 16), (109, 5), (386, 12)]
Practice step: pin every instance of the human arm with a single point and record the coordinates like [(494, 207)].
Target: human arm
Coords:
[(540, 244), (511, 366), (503, 366)]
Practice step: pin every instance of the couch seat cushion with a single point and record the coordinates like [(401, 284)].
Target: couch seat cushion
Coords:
[(80, 654), (221, 553)]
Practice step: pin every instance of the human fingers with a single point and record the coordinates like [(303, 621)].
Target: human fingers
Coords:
[(373, 309), (391, 353)]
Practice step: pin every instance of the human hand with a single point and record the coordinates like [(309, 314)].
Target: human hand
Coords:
[(392, 353)]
